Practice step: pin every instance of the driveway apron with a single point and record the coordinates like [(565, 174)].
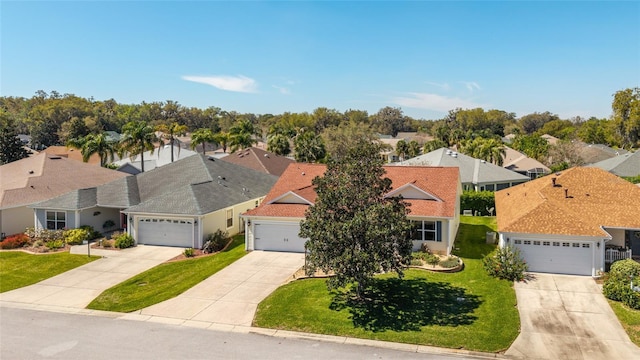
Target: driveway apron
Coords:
[(231, 296), (76, 288), (567, 317)]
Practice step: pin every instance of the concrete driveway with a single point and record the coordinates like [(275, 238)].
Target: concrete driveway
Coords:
[(567, 317), (76, 288), (231, 296)]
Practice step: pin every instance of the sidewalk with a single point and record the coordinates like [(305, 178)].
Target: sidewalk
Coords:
[(76, 288)]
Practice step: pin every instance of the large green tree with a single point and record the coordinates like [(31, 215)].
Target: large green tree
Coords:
[(626, 116), (309, 147), (533, 146), (202, 137), (11, 148), (353, 229), (138, 137), (490, 150), (278, 144), (241, 135), (95, 144)]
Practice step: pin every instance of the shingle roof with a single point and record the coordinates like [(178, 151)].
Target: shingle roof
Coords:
[(517, 161), (472, 170), (71, 153), (440, 181), (622, 165), (161, 156), (596, 198), (259, 160), (44, 176)]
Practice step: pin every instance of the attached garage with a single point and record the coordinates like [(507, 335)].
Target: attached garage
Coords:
[(278, 237), (165, 232), (556, 256)]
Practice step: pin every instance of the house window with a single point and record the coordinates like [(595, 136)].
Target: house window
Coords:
[(489, 187), (426, 231), (556, 243), (56, 220), (229, 218), (502, 186), (536, 242), (565, 244)]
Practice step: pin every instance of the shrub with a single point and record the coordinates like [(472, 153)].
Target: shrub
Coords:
[(15, 241), (451, 262), (505, 263), (480, 201), (107, 243), (45, 234), (124, 241), (432, 260), (617, 285), (215, 242), (76, 236), (54, 244), (93, 234), (188, 252), (416, 262)]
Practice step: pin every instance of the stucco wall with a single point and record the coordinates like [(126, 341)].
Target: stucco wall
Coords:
[(16, 220), (218, 219), (87, 217), (617, 236)]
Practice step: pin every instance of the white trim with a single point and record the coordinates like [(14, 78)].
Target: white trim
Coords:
[(402, 188), (288, 193)]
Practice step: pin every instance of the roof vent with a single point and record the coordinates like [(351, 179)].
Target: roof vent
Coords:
[(566, 194), (266, 155), (483, 161), (56, 157), (30, 171), (454, 155), (303, 173)]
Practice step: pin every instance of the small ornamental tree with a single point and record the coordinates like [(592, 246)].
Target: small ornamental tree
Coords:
[(354, 231), (506, 263)]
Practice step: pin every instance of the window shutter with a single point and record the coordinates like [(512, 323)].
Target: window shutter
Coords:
[(438, 230)]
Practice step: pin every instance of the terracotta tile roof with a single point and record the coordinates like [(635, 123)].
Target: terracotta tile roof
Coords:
[(442, 182), (260, 160), (71, 153), (596, 198), (45, 176)]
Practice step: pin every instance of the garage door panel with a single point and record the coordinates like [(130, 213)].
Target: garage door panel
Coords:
[(165, 232), (560, 257), (278, 237)]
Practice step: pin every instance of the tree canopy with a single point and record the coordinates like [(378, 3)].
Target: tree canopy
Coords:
[(353, 229)]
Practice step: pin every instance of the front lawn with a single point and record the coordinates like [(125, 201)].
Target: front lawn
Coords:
[(467, 309), (19, 269), (629, 318), (166, 281)]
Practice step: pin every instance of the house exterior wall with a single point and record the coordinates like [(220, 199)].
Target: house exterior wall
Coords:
[(218, 219), (133, 224), (41, 218), (87, 217), (617, 236), (598, 243), (15, 220)]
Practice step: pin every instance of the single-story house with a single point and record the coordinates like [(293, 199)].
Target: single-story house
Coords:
[(152, 159), (178, 204), (475, 174), (259, 160), (41, 177), (627, 164), (432, 192), (71, 153), (522, 164), (573, 222)]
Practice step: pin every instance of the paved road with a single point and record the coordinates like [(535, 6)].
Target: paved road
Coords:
[(567, 317), (29, 334)]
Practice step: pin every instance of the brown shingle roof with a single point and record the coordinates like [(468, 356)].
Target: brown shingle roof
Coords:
[(71, 153), (441, 182), (44, 176), (260, 160), (595, 199)]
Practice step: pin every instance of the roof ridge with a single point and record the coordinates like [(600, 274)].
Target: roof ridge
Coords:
[(252, 151)]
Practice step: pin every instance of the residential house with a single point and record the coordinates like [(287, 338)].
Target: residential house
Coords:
[(259, 160), (475, 174), (178, 204), (573, 222), (522, 164), (593, 153), (432, 192), (626, 165), (41, 177), (71, 153), (152, 159)]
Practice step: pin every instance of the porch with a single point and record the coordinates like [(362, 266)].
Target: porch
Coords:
[(612, 254)]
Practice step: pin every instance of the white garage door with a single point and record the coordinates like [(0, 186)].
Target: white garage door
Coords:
[(559, 257), (167, 232), (278, 237)]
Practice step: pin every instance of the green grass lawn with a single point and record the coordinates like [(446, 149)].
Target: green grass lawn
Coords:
[(467, 309), (166, 281), (629, 318), (18, 269)]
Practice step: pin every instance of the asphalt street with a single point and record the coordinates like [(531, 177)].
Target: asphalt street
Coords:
[(29, 334)]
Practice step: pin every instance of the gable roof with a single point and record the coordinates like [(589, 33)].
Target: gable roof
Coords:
[(596, 198), (159, 157), (622, 165), (71, 153), (472, 170), (593, 153), (519, 162), (44, 176), (259, 160), (442, 183)]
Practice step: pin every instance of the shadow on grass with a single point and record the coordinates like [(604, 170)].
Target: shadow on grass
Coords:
[(407, 305), (471, 241)]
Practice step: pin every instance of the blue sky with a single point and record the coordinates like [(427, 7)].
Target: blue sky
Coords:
[(426, 57)]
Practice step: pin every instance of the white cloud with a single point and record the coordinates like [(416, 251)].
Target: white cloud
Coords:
[(443, 86), (238, 83), (471, 85), (434, 102), (282, 90)]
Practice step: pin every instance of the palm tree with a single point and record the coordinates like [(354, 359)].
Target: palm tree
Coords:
[(401, 149), (279, 144), (241, 135), (309, 147), (138, 137), (98, 144), (222, 138), (202, 137), (169, 132)]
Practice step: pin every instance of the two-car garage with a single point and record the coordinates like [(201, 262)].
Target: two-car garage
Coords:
[(277, 236), (165, 231), (557, 256)]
